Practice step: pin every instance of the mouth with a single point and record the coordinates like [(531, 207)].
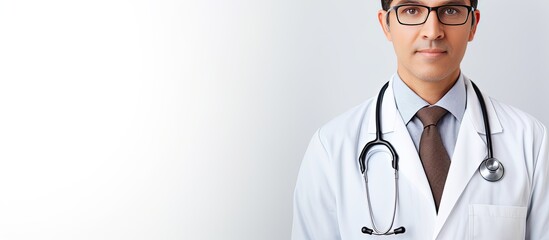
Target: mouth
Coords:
[(432, 52)]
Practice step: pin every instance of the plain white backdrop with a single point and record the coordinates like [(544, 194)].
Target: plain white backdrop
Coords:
[(184, 119)]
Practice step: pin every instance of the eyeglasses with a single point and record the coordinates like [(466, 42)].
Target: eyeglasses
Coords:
[(411, 14)]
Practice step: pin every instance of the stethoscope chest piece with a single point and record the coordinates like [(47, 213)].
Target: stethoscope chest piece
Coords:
[(491, 169)]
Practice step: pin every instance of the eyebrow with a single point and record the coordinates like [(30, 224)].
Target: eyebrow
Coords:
[(407, 1), (460, 2)]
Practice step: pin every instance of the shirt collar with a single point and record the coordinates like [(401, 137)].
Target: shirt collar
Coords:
[(408, 102)]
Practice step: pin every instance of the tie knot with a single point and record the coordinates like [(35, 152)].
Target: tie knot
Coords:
[(430, 115)]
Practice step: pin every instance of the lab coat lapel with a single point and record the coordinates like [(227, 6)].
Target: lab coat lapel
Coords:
[(469, 152), (394, 130)]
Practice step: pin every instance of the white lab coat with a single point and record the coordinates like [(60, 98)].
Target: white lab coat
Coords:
[(330, 196)]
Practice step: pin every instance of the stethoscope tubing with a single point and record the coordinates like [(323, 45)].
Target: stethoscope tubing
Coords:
[(363, 167), (486, 120), (379, 138)]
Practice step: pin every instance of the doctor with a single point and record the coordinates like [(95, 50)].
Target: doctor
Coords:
[(439, 192)]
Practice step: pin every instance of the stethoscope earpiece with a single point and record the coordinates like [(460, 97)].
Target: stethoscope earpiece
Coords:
[(396, 231)]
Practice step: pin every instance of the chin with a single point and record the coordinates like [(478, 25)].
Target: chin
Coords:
[(438, 71), (434, 74)]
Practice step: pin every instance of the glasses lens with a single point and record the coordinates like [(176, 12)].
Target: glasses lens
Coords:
[(412, 14), (453, 15)]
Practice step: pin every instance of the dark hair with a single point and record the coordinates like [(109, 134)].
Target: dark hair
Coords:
[(386, 3)]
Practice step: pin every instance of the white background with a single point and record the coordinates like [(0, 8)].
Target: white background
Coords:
[(168, 119)]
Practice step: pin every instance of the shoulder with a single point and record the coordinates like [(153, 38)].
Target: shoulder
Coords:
[(520, 129), (347, 125), (512, 117)]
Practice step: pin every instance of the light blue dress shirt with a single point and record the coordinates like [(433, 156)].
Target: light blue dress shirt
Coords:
[(455, 101)]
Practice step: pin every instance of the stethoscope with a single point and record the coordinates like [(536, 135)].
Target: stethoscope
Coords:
[(490, 169)]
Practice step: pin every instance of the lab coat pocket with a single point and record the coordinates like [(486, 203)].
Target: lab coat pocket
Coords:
[(496, 222)]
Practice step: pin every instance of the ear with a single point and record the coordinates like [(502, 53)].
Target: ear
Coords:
[(476, 13), (383, 22)]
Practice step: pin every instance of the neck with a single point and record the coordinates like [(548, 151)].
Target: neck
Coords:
[(430, 90)]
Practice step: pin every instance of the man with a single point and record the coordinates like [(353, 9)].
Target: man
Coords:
[(432, 116)]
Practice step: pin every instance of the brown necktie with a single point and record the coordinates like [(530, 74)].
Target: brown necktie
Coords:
[(434, 156)]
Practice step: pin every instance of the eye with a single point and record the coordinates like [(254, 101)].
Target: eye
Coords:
[(450, 11), (410, 10)]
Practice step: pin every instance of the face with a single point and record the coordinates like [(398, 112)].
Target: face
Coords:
[(431, 52)]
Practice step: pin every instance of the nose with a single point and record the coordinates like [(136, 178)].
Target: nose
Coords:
[(432, 29)]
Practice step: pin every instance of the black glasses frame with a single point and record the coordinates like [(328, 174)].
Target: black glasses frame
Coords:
[(395, 8)]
